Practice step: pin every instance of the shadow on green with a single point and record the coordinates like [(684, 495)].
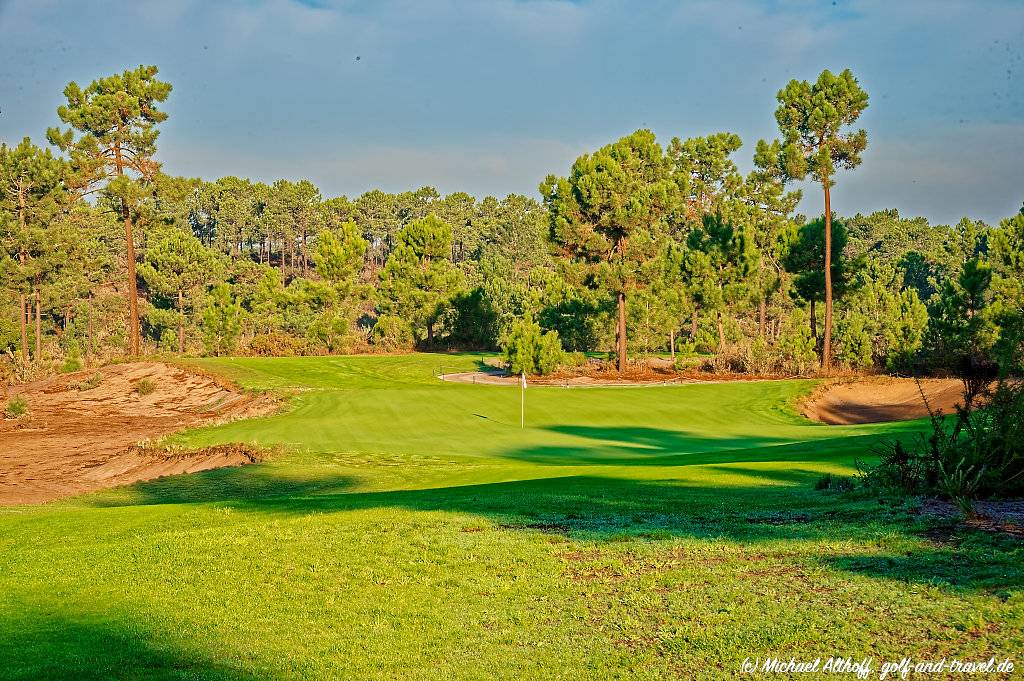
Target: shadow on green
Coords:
[(749, 505), (59, 647)]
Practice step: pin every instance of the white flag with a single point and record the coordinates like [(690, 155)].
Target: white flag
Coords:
[(523, 375)]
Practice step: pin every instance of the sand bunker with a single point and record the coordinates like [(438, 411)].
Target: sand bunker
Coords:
[(882, 398), (82, 434)]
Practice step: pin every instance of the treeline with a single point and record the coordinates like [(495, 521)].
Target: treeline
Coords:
[(640, 248)]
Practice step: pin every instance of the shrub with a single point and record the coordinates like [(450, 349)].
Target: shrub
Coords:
[(276, 344), (574, 359), (549, 353), (797, 345), (93, 381), (72, 363), (10, 335), (761, 359), (222, 321), (331, 332), (392, 333), (833, 483), (529, 351), (145, 386), (16, 407), (974, 454)]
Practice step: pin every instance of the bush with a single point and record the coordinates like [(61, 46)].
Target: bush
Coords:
[(276, 344), (222, 321), (796, 345), (93, 381), (833, 483), (10, 335), (549, 353), (392, 333), (974, 454), (761, 359), (72, 363), (16, 407), (529, 351), (145, 386), (574, 359)]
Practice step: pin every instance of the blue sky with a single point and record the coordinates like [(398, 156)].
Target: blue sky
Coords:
[(489, 97)]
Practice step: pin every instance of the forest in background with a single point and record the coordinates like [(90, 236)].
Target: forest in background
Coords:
[(640, 248)]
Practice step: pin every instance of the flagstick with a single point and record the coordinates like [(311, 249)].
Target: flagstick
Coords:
[(522, 402)]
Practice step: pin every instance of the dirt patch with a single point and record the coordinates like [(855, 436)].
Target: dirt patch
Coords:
[(881, 398), (1006, 517), (84, 428)]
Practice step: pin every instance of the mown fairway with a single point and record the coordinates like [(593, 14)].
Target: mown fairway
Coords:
[(414, 531)]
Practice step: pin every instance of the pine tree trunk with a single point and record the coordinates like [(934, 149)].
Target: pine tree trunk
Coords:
[(24, 328), (88, 328), (693, 325), (814, 324), (620, 335), (133, 290), (826, 354), (721, 333), (305, 263), (39, 330), (672, 344), (181, 323), (762, 316), (25, 307)]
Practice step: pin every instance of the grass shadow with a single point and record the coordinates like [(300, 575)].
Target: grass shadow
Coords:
[(57, 647), (741, 503)]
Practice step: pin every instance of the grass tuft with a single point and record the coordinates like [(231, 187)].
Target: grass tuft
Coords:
[(16, 408)]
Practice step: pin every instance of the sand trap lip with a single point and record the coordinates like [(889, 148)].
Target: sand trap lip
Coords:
[(82, 440), (881, 399)]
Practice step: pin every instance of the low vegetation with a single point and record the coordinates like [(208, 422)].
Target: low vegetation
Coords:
[(145, 386), (978, 452), (90, 383), (16, 408)]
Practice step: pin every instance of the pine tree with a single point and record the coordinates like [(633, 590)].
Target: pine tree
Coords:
[(419, 281), (719, 260), (31, 189), (176, 266), (811, 119), (117, 119), (609, 215)]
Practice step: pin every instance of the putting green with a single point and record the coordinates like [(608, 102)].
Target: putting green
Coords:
[(412, 529)]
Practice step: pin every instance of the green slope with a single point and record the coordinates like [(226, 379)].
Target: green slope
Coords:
[(414, 530)]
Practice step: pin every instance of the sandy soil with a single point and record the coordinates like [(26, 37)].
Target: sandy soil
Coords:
[(881, 398), (77, 440)]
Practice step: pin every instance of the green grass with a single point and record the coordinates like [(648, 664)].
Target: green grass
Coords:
[(413, 530)]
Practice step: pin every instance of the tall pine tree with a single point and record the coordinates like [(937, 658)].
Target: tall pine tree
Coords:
[(811, 119), (116, 117)]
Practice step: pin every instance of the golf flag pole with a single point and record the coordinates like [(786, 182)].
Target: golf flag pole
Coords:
[(522, 401)]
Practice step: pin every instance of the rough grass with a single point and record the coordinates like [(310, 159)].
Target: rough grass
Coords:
[(415, 531)]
